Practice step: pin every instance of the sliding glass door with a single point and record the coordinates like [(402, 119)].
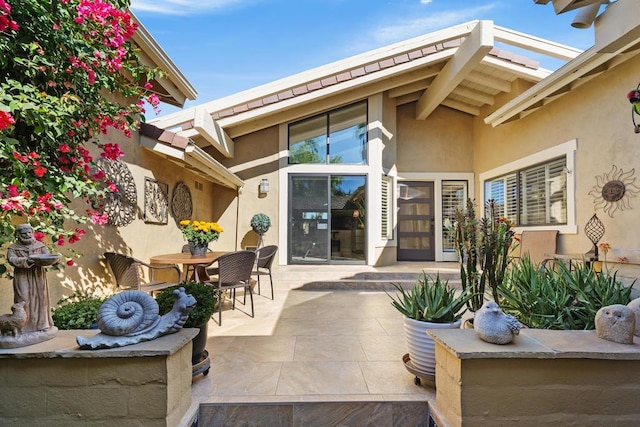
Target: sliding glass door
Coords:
[(327, 219)]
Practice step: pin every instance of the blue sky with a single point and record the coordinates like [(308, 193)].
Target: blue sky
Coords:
[(227, 46)]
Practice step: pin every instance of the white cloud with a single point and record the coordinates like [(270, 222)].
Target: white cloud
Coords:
[(423, 25), (425, 1), (181, 7)]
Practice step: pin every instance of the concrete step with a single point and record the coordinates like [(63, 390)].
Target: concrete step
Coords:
[(376, 281), (317, 413), (363, 285)]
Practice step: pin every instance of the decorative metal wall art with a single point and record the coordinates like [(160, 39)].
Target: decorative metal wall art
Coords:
[(120, 206), (156, 201), (181, 203), (594, 229), (613, 190)]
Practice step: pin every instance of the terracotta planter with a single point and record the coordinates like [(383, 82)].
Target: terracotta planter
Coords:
[(420, 344)]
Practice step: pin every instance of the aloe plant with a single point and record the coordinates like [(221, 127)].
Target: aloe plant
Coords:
[(558, 298), (431, 300)]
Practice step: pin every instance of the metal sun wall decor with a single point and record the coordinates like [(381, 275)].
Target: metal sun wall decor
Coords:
[(613, 190), (181, 203), (156, 201), (120, 206)]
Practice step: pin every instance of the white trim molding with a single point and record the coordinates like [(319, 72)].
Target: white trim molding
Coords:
[(437, 178), (567, 149)]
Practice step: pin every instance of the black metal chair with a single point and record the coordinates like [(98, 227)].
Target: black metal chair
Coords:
[(233, 272), (128, 273), (264, 261)]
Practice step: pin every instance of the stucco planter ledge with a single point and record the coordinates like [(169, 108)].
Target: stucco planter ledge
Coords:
[(543, 377), (57, 382)]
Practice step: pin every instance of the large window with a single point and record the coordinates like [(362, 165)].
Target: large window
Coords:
[(532, 196), (339, 136)]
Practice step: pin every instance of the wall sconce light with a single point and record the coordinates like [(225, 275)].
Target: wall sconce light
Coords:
[(264, 186)]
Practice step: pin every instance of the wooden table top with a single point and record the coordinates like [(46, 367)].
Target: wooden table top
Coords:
[(186, 258)]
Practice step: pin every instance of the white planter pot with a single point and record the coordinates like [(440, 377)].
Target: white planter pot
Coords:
[(421, 347)]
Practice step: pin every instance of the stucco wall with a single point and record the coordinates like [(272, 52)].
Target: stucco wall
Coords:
[(598, 115), (255, 158), (138, 239), (441, 143)]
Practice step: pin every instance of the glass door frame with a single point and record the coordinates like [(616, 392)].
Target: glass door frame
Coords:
[(332, 238)]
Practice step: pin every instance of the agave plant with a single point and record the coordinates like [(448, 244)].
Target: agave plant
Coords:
[(431, 300), (559, 298)]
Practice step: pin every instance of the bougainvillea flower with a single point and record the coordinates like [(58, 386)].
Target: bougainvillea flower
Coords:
[(6, 120)]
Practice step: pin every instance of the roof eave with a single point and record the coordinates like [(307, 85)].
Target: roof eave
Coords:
[(616, 31), (175, 83)]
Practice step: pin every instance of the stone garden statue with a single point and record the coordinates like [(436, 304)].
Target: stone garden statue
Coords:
[(30, 321)]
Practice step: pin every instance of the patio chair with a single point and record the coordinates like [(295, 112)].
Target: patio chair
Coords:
[(264, 261), (539, 245), (233, 272), (128, 273)]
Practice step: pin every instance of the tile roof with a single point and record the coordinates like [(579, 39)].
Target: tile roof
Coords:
[(365, 70)]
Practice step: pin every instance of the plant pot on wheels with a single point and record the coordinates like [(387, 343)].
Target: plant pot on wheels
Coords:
[(206, 303), (421, 346), (199, 355), (430, 304)]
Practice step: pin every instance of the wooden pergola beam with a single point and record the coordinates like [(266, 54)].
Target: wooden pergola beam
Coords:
[(469, 54)]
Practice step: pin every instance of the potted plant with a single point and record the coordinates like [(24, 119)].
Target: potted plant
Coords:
[(78, 311), (260, 224), (429, 304), (199, 234), (483, 247), (206, 303)]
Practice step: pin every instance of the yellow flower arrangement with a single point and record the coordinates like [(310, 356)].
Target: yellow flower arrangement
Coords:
[(200, 232)]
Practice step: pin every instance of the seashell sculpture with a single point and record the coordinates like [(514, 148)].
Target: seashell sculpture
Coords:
[(616, 323), (131, 317)]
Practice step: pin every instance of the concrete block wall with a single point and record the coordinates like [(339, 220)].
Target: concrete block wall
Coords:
[(55, 383), (544, 378)]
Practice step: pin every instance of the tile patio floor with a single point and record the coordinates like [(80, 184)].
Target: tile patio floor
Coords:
[(312, 345)]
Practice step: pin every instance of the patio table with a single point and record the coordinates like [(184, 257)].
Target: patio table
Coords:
[(188, 261)]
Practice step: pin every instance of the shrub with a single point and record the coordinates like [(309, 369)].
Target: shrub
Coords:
[(431, 300), (77, 311), (206, 302), (260, 223), (558, 298)]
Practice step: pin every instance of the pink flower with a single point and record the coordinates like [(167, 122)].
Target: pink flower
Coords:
[(64, 148), (40, 171), (39, 236), (13, 190), (6, 120), (20, 157), (70, 263), (98, 218), (111, 151)]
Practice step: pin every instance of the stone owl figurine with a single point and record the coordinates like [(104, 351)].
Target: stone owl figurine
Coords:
[(634, 305), (494, 326), (616, 323)]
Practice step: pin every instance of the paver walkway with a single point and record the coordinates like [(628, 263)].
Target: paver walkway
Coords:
[(313, 345)]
